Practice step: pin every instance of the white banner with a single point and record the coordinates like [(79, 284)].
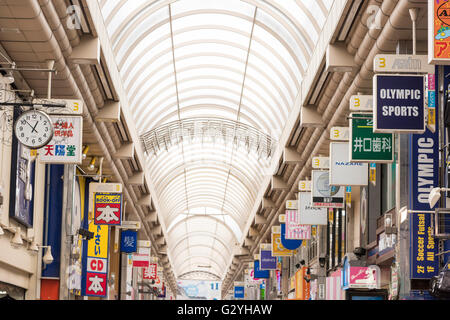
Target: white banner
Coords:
[(309, 214), (342, 171)]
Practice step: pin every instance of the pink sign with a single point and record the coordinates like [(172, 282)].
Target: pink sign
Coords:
[(295, 230), (364, 277)]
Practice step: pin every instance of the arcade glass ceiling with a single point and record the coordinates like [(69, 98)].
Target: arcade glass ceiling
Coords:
[(210, 84)]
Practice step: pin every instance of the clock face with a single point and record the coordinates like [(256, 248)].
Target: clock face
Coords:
[(34, 129)]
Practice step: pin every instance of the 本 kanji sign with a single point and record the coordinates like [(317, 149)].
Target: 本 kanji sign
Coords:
[(108, 208), (367, 146), (95, 279), (66, 144), (439, 31)]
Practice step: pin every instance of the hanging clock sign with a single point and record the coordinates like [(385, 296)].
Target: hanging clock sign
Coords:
[(33, 129)]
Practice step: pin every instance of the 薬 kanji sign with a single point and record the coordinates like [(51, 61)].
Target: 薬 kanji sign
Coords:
[(367, 146), (108, 208), (66, 144), (150, 272)]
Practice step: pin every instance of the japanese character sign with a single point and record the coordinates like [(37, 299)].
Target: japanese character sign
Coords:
[(66, 144), (367, 146), (128, 242), (95, 279), (151, 271), (108, 208), (439, 30)]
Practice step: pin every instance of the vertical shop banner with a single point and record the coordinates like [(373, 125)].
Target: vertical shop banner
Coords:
[(97, 262), (309, 214), (399, 103), (439, 31), (108, 209), (302, 287), (258, 273), (67, 142), (128, 241), (367, 146), (324, 195), (151, 271), (342, 171), (278, 250), (423, 177), (268, 262), (424, 263), (294, 230)]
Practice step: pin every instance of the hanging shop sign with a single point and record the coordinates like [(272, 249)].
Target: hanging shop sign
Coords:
[(108, 209), (402, 63), (239, 290), (128, 242), (431, 86), (72, 106), (304, 185), (258, 273), (141, 260), (320, 162), (151, 271), (324, 195), (278, 250), (291, 204), (342, 171), (304, 231), (424, 264), (268, 262), (361, 103), (367, 146), (333, 286), (309, 215), (294, 230), (399, 103), (439, 32), (66, 145)]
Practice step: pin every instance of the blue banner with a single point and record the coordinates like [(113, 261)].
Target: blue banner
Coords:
[(288, 244), (258, 273), (399, 103), (53, 215), (268, 262), (128, 241), (239, 292)]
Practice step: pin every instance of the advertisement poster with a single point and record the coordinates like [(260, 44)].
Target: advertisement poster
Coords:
[(439, 31), (324, 195), (108, 209)]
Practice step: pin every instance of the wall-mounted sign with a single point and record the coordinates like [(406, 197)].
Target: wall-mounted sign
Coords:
[(292, 204), (342, 171), (302, 287), (360, 277), (324, 195), (268, 262), (108, 208), (399, 103), (128, 242), (304, 185), (66, 144), (402, 63), (293, 229), (439, 32), (367, 146), (320, 162), (361, 103), (309, 214)]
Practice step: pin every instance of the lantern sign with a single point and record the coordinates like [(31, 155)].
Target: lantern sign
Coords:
[(399, 103)]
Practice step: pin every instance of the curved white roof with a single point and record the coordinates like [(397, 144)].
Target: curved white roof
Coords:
[(238, 60)]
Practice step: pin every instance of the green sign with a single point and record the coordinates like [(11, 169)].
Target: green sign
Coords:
[(367, 146)]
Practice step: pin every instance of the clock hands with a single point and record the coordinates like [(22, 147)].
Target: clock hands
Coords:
[(34, 128)]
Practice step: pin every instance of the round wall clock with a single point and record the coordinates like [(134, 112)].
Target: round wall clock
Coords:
[(34, 129)]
